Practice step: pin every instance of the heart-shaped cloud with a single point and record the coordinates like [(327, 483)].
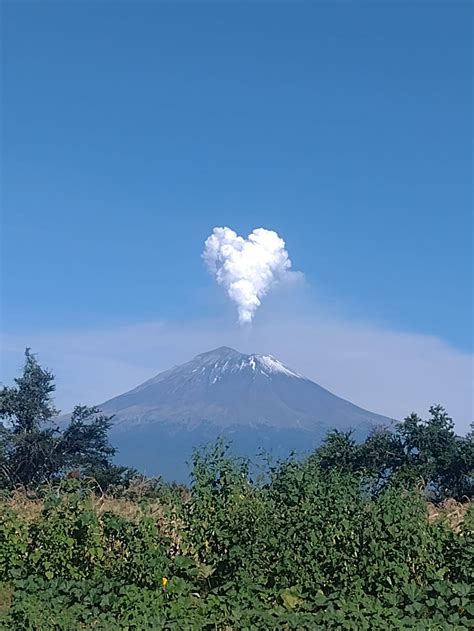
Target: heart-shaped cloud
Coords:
[(247, 268)]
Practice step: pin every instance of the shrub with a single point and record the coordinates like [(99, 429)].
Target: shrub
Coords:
[(308, 549)]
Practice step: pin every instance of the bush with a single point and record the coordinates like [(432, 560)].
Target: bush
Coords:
[(307, 549)]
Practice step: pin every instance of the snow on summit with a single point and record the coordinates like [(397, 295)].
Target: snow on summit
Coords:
[(225, 360)]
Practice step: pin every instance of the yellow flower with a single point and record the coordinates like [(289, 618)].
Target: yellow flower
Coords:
[(164, 582)]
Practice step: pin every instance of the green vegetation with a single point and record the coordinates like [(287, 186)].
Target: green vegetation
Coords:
[(355, 536), (33, 451), (307, 549)]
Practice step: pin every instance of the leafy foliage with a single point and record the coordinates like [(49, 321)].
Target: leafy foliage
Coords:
[(309, 548), (427, 453), (33, 451)]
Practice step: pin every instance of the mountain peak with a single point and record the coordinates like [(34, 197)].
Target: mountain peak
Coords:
[(228, 388), (221, 351), (228, 359)]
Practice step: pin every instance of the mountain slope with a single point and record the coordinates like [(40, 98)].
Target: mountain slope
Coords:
[(226, 388), (253, 400)]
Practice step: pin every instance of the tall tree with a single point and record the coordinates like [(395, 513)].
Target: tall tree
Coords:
[(33, 450), (28, 404)]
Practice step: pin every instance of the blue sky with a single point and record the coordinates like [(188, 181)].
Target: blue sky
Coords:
[(130, 130)]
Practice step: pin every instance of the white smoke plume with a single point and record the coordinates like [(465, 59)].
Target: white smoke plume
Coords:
[(247, 268)]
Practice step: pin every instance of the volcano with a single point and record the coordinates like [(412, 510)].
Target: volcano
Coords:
[(254, 400)]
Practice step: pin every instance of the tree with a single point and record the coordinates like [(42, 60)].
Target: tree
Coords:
[(380, 456), (32, 449), (84, 446), (339, 449), (28, 405), (425, 453), (4, 468), (442, 461)]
